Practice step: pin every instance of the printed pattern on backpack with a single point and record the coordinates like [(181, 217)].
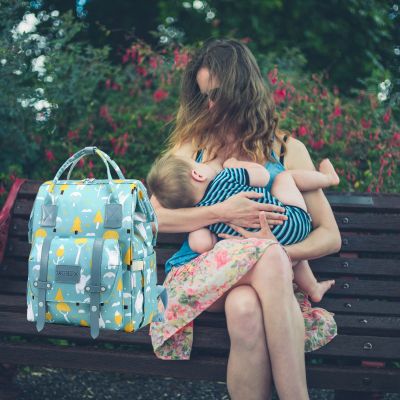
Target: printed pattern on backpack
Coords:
[(92, 261)]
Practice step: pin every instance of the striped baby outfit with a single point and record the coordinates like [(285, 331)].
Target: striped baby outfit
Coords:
[(231, 181)]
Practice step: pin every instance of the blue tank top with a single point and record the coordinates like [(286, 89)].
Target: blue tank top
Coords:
[(185, 253)]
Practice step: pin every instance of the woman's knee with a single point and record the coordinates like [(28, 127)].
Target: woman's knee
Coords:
[(274, 265), (244, 315)]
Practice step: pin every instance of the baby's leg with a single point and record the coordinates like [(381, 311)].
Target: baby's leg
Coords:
[(311, 180), (202, 240), (306, 281)]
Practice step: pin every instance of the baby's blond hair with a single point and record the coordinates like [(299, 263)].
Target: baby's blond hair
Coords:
[(170, 181)]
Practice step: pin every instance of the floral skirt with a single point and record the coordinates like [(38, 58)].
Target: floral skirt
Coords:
[(193, 287)]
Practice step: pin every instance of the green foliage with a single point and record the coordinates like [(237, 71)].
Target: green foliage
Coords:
[(348, 39), (37, 108), (128, 110), (360, 135)]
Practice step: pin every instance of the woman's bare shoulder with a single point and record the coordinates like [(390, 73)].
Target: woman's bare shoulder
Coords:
[(297, 156)]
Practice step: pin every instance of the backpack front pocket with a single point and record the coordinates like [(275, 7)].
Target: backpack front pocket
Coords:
[(82, 286)]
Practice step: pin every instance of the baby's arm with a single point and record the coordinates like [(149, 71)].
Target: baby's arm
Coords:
[(258, 174), (202, 240)]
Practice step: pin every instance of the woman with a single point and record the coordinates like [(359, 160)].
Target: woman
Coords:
[(227, 111)]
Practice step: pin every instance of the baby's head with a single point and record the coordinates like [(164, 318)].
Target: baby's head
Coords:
[(170, 180)]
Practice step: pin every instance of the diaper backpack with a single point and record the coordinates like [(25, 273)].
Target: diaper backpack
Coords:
[(92, 261)]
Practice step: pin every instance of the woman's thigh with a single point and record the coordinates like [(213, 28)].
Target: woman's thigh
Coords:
[(219, 305), (270, 253)]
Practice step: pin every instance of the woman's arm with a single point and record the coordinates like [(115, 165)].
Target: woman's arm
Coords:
[(238, 209), (184, 219), (325, 238)]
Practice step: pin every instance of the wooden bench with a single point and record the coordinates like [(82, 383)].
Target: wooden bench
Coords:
[(364, 357)]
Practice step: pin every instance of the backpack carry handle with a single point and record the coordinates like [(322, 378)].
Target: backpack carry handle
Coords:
[(107, 157), (79, 154)]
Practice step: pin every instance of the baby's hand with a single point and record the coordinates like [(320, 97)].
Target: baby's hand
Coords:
[(230, 163)]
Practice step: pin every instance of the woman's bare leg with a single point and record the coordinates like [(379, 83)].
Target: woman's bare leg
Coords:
[(271, 278), (249, 373)]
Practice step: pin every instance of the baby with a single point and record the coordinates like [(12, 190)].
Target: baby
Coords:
[(179, 182)]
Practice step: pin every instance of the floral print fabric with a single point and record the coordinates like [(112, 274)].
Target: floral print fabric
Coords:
[(193, 287)]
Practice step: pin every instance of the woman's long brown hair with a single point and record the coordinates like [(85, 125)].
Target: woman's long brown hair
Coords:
[(243, 107)]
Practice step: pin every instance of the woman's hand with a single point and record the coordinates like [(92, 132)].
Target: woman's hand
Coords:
[(263, 233), (240, 210)]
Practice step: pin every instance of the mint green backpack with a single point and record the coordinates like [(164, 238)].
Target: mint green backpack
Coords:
[(92, 261)]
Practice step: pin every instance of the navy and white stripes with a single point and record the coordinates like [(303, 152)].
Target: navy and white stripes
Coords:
[(231, 181)]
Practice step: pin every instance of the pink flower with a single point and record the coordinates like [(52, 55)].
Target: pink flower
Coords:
[(2, 190), (273, 76), (302, 130), (90, 164), (339, 130), (180, 59), (153, 62), (104, 111), (366, 124), (141, 71), (49, 155), (318, 144), (160, 95), (386, 117), (221, 258), (337, 112), (72, 135), (279, 95), (395, 141)]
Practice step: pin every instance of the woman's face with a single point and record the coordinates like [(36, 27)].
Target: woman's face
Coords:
[(206, 83)]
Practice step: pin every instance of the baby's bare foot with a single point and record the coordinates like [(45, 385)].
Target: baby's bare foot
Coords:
[(327, 169), (320, 289)]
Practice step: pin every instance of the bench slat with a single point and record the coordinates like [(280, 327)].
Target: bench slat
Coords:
[(368, 222), (349, 324), (356, 287), (199, 367), (334, 266), (377, 244), (205, 339), (360, 308), (373, 201)]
